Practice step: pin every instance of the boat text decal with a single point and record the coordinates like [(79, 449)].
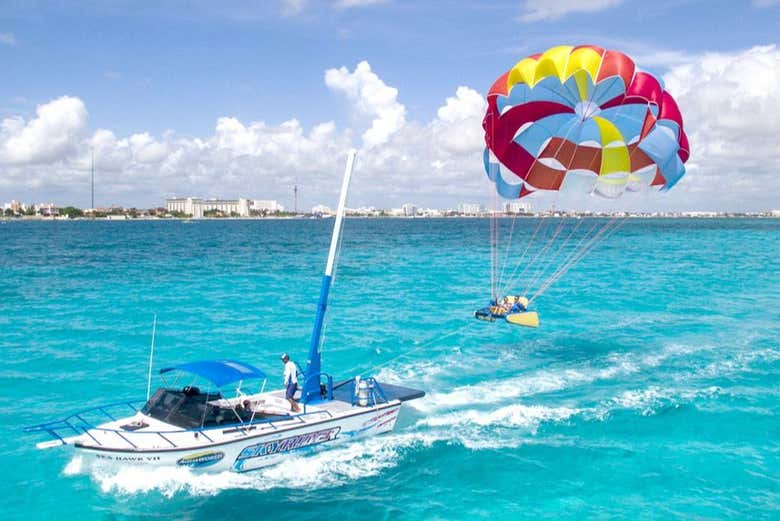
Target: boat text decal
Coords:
[(378, 417), (268, 448), (201, 459), (130, 459)]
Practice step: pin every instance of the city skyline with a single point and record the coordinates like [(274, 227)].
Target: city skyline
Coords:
[(246, 208), (265, 96)]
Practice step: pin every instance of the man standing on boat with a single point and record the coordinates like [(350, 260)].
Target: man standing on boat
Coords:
[(290, 382)]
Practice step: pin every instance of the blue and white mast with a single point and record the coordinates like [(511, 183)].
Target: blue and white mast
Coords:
[(311, 385)]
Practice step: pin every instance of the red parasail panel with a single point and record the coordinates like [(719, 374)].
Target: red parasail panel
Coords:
[(543, 177), (616, 63), (499, 86), (670, 110), (646, 88)]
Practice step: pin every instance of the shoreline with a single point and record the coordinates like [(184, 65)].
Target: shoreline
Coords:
[(5, 220)]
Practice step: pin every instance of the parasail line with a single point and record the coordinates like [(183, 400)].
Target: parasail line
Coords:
[(554, 257), (510, 282), (424, 345), (527, 248), (597, 240), (506, 254), (577, 250)]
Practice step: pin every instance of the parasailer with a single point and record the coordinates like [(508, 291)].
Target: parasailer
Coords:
[(579, 121), (512, 308)]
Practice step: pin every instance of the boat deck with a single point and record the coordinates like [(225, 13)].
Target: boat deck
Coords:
[(343, 392)]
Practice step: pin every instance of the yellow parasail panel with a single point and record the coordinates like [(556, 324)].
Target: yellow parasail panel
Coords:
[(552, 63), (581, 78), (609, 132), (526, 318), (615, 159), (522, 72), (584, 59), (614, 154)]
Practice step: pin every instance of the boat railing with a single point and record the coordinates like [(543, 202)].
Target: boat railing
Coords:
[(85, 422), (82, 421)]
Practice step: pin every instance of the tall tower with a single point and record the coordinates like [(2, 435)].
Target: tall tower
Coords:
[(295, 195), (92, 183)]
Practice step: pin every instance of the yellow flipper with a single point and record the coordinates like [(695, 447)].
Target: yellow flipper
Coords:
[(526, 318)]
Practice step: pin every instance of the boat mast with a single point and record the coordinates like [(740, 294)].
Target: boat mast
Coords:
[(311, 385), (151, 359)]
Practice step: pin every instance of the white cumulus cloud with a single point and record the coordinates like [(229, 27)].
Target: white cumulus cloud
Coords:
[(373, 98), (731, 108), (458, 124), (51, 134), (729, 101)]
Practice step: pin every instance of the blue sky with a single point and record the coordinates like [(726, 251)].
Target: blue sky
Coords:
[(177, 67)]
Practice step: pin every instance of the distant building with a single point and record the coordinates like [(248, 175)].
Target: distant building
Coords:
[(699, 214), (47, 209), (15, 206), (471, 209), (363, 211), (409, 210), (42, 209), (180, 204), (517, 207), (775, 213), (261, 205), (321, 209), (429, 212), (197, 207)]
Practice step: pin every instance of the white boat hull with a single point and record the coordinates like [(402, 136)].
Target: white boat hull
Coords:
[(254, 449)]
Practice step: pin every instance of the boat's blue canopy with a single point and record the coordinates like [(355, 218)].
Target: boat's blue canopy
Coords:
[(219, 372)]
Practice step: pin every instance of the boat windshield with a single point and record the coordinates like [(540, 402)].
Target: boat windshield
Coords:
[(188, 408)]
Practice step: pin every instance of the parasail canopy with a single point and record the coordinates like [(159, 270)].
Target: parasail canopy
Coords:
[(582, 119)]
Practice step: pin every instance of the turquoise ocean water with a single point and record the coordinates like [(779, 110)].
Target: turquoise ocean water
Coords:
[(650, 391)]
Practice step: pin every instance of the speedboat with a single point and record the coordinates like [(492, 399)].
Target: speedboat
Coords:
[(202, 428), (200, 425)]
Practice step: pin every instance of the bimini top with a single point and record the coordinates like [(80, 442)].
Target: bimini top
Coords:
[(219, 372)]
